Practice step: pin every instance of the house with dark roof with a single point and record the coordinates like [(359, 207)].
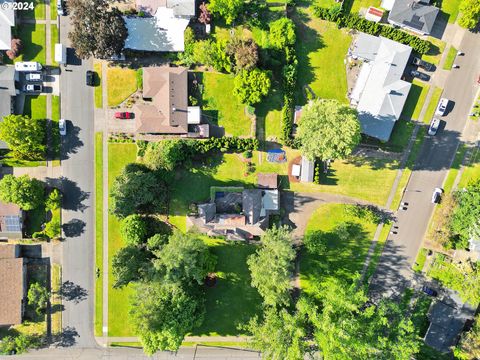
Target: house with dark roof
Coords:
[(12, 285), (165, 107), (380, 93), (11, 221), (239, 213), (414, 15)]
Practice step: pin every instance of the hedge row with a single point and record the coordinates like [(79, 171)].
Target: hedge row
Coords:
[(289, 76), (354, 21), (224, 144)]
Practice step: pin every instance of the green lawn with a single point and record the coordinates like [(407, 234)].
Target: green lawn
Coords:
[(38, 11), (33, 41), (269, 115), (362, 178), (321, 50), (344, 254), (233, 301), (121, 83), (54, 39), (420, 261), (450, 8), (377, 252), (97, 67), (119, 155), (455, 168), (35, 106), (470, 173), (432, 105), (450, 59), (53, 10), (98, 233), (56, 300), (415, 100), (436, 50), (221, 107)]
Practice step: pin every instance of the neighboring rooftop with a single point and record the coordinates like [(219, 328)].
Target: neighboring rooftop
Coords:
[(418, 16), (10, 221), (180, 7), (12, 286), (163, 32), (267, 180), (307, 171), (167, 113), (7, 89), (380, 93), (7, 20)]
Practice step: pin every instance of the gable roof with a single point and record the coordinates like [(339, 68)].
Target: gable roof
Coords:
[(307, 170), (168, 111), (379, 92), (162, 32), (11, 290), (267, 180), (252, 205), (180, 7), (415, 15)]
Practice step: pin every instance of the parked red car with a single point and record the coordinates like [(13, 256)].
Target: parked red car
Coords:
[(123, 115)]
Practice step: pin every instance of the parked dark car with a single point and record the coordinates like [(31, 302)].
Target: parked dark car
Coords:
[(33, 88), (429, 291), (90, 78), (124, 115), (423, 64), (420, 75)]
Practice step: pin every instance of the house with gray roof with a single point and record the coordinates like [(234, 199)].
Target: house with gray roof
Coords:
[(380, 93), (7, 93), (414, 15), (11, 221)]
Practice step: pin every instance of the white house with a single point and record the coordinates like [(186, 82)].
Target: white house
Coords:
[(7, 20), (379, 93)]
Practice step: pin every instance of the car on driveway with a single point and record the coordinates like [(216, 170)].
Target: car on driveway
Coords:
[(437, 195), (423, 64), (442, 107), (433, 128), (62, 127), (420, 75), (33, 88), (429, 291), (123, 115), (34, 76), (90, 78)]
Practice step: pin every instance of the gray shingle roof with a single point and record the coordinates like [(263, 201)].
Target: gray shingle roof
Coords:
[(414, 15)]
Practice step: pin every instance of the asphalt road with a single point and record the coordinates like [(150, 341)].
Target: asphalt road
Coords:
[(435, 157), (78, 213)]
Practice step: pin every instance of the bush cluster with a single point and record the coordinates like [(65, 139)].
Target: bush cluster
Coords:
[(289, 76), (318, 173), (354, 21)]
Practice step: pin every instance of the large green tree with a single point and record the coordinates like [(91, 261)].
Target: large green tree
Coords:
[(164, 313), (466, 214), (98, 29), (281, 335), (251, 86), (23, 191), (328, 130), (24, 136), (271, 266), (282, 33), (184, 259), (38, 297), (138, 190), (228, 9), (130, 264), (133, 229), (245, 53), (166, 154), (347, 327), (470, 13), (469, 345)]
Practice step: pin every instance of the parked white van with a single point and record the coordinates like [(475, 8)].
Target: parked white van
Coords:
[(28, 66)]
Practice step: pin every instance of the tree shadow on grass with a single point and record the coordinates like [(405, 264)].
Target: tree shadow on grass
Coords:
[(309, 41), (29, 49)]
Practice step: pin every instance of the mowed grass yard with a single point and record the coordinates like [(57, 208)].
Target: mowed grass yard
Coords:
[(121, 83), (119, 155), (321, 50), (450, 9), (221, 107), (233, 301), (35, 106), (98, 320), (33, 43), (343, 256)]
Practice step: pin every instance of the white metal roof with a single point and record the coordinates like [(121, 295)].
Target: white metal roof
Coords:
[(194, 115), (308, 169), (7, 20), (162, 32)]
